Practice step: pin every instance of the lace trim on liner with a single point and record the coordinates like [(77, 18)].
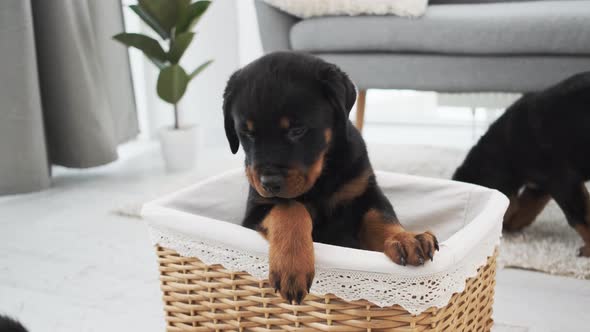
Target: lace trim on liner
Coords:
[(414, 294)]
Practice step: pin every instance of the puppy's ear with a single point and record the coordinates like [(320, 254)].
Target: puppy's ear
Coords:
[(339, 88), (228, 96)]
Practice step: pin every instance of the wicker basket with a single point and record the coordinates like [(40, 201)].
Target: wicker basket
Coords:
[(200, 297)]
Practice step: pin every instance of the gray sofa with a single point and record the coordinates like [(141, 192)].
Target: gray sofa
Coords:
[(457, 46)]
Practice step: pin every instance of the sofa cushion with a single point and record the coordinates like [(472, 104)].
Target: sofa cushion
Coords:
[(539, 27), (438, 2)]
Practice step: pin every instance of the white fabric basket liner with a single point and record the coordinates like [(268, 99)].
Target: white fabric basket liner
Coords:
[(203, 221)]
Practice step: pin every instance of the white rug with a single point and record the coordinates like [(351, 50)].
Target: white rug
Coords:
[(549, 245)]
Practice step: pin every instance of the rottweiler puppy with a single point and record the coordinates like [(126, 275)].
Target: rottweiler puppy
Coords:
[(538, 150), (309, 173)]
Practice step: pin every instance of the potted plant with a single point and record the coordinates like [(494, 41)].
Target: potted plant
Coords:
[(173, 21)]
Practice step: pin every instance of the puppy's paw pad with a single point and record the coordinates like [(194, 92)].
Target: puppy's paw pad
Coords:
[(408, 248), (292, 284)]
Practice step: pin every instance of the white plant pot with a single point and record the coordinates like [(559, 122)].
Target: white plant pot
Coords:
[(179, 148)]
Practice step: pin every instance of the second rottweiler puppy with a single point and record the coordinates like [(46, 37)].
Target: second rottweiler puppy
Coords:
[(309, 173), (538, 150), (8, 324)]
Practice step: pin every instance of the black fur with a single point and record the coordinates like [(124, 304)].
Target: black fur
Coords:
[(541, 142), (319, 96), (8, 324)]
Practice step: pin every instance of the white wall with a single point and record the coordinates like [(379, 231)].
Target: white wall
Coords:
[(250, 47), (217, 38), (227, 33)]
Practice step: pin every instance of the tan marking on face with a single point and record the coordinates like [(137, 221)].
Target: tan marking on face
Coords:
[(298, 182), (328, 135), (351, 189), (250, 125), (254, 180), (284, 123)]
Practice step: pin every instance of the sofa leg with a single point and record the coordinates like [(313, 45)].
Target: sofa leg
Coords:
[(360, 109)]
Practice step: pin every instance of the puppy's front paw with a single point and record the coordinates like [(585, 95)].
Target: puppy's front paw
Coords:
[(292, 281), (409, 248)]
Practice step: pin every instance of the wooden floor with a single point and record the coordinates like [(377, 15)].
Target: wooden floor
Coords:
[(68, 264)]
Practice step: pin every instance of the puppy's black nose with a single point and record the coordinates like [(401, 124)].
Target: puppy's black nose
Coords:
[(272, 183)]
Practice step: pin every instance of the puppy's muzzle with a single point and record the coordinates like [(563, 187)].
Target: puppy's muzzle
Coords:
[(272, 183)]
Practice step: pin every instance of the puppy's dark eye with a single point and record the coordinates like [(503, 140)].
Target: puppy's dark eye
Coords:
[(296, 132)]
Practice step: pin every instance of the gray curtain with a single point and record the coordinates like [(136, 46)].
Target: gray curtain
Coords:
[(66, 94)]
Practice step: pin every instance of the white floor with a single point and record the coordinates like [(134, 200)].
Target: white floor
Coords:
[(68, 264)]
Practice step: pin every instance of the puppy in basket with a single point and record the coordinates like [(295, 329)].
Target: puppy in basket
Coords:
[(309, 173), (538, 150)]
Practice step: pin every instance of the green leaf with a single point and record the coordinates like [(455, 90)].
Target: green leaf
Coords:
[(199, 69), (183, 4), (149, 46), (172, 83), (157, 63), (150, 21), (192, 16), (166, 12), (179, 46)]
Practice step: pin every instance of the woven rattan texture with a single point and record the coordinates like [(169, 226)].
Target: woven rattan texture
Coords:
[(200, 297)]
